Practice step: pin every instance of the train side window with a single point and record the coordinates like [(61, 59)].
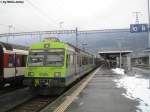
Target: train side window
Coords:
[(1, 56), (18, 61), (87, 60), (24, 58), (90, 60), (93, 60), (71, 59), (10, 61), (84, 61), (67, 60), (78, 60), (1, 60)]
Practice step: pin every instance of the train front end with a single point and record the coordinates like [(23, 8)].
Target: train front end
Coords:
[(46, 65)]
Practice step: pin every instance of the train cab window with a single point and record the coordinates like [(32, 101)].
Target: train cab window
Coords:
[(36, 60), (10, 61), (54, 57)]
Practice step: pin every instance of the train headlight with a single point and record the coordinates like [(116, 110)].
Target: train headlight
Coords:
[(46, 45), (57, 74), (30, 74)]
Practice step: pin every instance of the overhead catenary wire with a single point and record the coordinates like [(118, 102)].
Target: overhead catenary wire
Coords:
[(41, 12), (64, 32)]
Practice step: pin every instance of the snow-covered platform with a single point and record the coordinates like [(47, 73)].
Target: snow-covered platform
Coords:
[(113, 91)]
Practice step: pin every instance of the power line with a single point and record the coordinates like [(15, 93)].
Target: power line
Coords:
[(63, 32), (40, 11)]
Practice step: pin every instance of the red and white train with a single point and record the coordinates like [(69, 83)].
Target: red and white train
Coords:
[(12, 63)]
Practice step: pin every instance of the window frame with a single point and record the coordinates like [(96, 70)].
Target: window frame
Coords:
[(45, 51)]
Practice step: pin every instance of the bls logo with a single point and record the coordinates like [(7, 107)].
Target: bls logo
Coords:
[(135, 28)]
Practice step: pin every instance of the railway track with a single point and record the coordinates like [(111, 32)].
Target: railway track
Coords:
[(9, 89), (63, 101), (33, 105), (40, 103), (14, 98), (141, 66)]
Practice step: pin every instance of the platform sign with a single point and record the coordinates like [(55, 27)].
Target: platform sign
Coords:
[(136, 28)]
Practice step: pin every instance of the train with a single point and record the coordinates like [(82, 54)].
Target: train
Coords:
[(53, 65), (12, 63)]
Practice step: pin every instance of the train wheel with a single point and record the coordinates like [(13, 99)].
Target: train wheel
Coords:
[(51, 91), (17, 83), (2, 85)]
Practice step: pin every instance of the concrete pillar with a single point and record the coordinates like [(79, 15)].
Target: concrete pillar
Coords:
[(149, 60), (129, 63), (118, 61), (124, 62)]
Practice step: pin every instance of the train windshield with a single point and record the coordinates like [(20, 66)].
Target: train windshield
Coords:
[(46, 58)]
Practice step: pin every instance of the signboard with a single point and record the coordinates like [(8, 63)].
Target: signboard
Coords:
[(136, 28)]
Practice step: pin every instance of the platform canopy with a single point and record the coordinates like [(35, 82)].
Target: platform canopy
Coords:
[(147, 49), (114, 54)]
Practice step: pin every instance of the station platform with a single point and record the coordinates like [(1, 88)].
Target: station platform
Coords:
[(102, 95)]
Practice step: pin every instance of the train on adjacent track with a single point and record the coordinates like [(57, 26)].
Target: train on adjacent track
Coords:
[(12, 63), (53, 65)]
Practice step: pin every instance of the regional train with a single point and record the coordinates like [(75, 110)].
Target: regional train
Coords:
[(53, 65), (12, 63)]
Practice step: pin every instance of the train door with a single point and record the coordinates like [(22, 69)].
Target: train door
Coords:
[(77, 67), (74, 63), (20, 64), (1, 62), (9, 68), (70, 64)]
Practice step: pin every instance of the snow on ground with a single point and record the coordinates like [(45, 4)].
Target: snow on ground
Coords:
[(118, 71), (136, 89)]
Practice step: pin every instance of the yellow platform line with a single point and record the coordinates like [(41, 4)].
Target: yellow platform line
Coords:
[(69, 99)]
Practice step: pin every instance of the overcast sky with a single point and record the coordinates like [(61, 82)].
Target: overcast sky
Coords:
[(34, 15)]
